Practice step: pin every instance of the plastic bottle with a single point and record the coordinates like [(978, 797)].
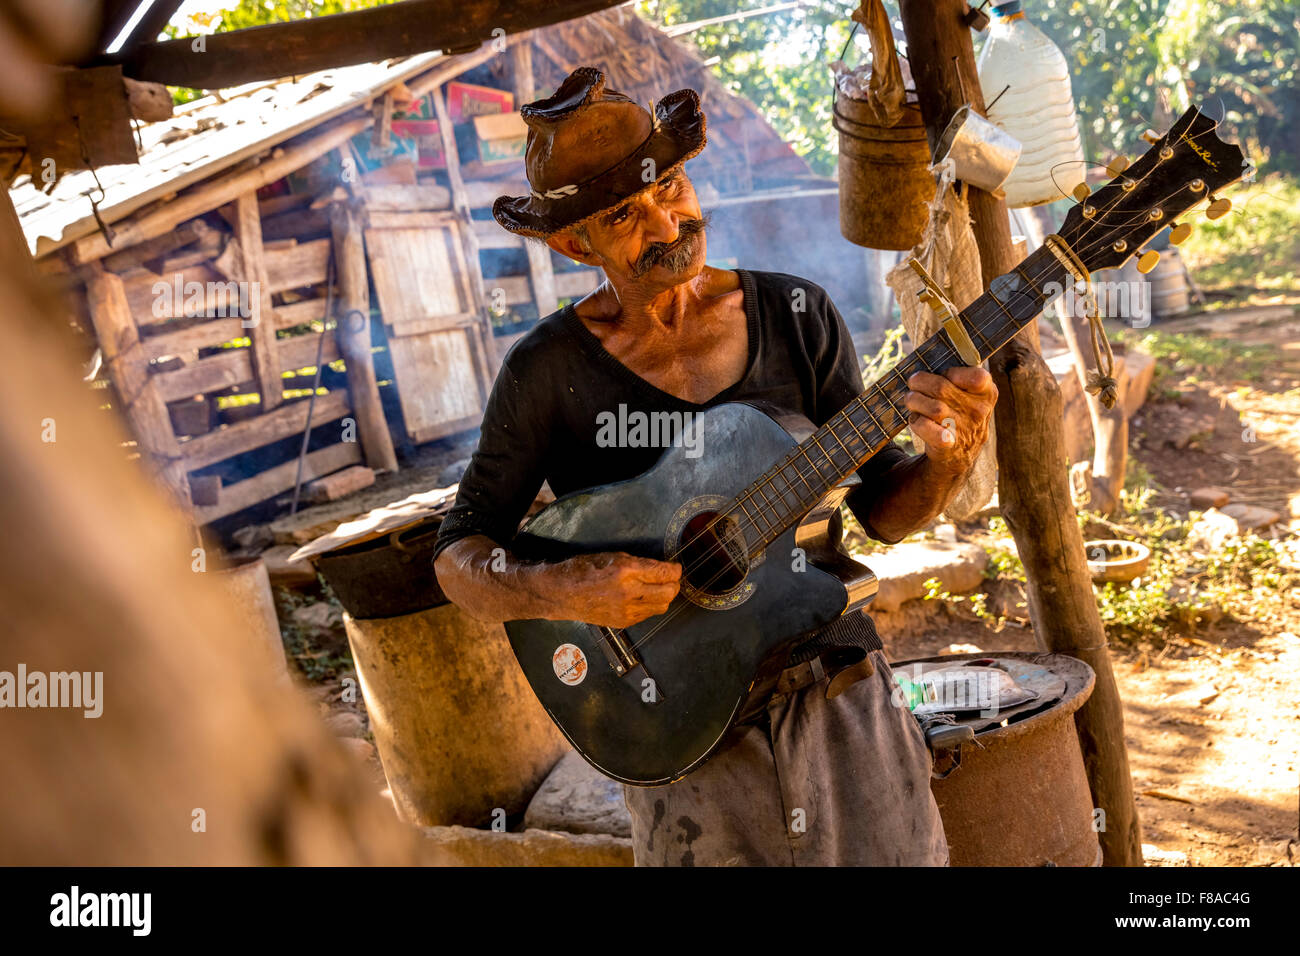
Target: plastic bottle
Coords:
[(1036, 108)]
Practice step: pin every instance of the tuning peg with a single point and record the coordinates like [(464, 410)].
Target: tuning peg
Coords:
[(1081, 192), (1179, 233), (1147, 261), (1218, 208), (1117, 166), (1151, 136)]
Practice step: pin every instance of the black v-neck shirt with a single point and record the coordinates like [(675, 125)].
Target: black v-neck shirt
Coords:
[(558, 385)]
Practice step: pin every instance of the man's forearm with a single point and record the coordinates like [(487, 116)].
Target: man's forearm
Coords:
[(911, 495), (488, 582)]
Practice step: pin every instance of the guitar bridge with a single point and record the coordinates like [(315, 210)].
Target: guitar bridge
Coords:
[(620, 654)]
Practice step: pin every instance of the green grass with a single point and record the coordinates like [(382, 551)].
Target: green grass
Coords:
[(1188, 357), (1256, 246)]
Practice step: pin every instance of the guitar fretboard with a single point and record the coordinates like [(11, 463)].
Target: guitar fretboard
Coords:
[(790, 489)]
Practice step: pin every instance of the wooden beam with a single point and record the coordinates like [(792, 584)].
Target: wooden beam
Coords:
[(292, 267), (285, 421), (266, 366), (152, 23), (1033, 483), (138, 255), (148, 102), (469, 240), (202, 335), (216, 193), (353, 336), (235, 366), (539, 257), (280, 478), (143, 406), (492, 236), (318, 43)]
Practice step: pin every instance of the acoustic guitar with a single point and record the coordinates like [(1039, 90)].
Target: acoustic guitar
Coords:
[(750, 519)]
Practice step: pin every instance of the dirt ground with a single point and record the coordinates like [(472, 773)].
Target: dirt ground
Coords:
[(1212, 717)]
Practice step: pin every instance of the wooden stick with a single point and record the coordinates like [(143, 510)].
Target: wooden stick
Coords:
[(1033, 486), (128, 367), (353, 336), (319, 43), (539, 257), (266, 366), (468, 238)]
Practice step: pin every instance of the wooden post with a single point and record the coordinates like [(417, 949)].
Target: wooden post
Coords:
[(1109, 425), (539, 256), (266, 363), (469, 239), (128, 367), (1033, 483), (353, 336)]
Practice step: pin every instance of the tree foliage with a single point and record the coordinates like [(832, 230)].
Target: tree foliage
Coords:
[(1133, 63)]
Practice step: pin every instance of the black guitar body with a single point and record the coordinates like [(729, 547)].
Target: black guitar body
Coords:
[(694, 671)]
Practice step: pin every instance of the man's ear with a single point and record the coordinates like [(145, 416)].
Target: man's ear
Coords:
[(568, 244)]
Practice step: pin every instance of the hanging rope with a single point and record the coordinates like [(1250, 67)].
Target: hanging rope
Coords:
[(1101, 380)]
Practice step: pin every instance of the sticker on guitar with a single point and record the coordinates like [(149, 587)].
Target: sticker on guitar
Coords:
[(570, 664)]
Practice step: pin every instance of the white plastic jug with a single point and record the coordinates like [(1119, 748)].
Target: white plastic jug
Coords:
[(1037, 107)]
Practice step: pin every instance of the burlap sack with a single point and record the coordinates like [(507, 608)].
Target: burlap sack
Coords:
[(948, 251)]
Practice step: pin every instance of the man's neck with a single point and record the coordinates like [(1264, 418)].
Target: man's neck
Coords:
[(638, 309)]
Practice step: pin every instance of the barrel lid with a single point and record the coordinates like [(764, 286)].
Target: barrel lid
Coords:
[(381, 521), (1053, 679)]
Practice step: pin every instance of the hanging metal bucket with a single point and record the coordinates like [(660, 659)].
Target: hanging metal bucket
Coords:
[(884, 176)]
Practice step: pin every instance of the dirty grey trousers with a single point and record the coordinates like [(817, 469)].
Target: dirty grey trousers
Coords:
[(842, 782)]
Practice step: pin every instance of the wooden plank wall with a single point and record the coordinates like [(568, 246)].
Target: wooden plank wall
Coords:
[(199, 344)]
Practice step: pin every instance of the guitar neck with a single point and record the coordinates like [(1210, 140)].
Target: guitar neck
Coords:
[(783, 495)]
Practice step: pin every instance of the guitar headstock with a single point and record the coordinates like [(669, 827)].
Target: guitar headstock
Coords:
[(1181, 169)]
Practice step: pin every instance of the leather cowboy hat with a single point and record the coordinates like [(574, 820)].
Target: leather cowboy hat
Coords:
[(587, 152)]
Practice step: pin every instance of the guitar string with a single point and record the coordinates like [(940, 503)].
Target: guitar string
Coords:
[(948, 352), (979, 326), (862, 399), (863, 402)]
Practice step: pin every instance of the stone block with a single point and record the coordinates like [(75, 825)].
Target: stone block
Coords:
[(1251, 517), (576, 798), (338, 485), (1203, 499), (464, 846), (283, 572), (903, 570)]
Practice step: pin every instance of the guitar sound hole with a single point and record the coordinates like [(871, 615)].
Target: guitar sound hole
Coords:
[(713, 553)]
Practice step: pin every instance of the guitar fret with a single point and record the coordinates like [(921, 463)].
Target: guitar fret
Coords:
[(758, 489), (816, 470), (848, 417), (874, 420), (822, 449), (847, 450), (752, 522)]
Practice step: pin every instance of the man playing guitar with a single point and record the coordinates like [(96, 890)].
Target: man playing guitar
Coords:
[(833, 771)]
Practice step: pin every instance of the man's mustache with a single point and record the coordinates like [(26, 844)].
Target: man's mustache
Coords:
[(687, 232)]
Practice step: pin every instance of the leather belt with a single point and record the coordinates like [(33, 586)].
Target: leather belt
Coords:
[(844, 666)]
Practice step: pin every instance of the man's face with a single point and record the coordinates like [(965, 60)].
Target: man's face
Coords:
[(655, 239)]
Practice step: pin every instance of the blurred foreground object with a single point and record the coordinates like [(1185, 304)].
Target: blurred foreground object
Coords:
[(198, 755)]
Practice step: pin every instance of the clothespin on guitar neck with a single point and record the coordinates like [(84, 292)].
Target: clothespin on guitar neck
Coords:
[(932, 294)]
